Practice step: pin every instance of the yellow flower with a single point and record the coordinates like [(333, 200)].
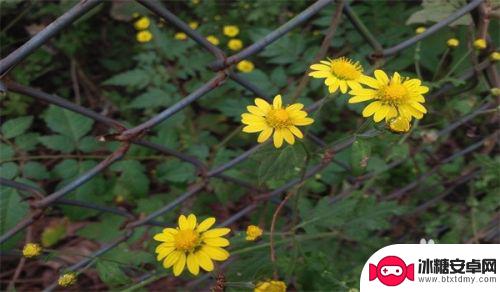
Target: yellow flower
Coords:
[(67, 280), (213, 40), (142, 23), (270, 286), (253, 232), (192, 244), (144, 36), (231, 30), (268, 118), (394, 97), (235, 44), (245, 66), (194, 24), (480, 44), (495, 91), (495, 56), (453, 43), (399, 124), (195, 2), (32, 250), (420, 30), (180, 36), (339, 73)]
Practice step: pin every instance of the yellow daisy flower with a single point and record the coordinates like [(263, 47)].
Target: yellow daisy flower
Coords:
[(192, 244), (213, 40), (452, 43), (495, 56), (180, 36), (231, 30), (339, 73), (399, 124), (420, 30), (67, 280), (32, 250), (245, 66), (194, 24), (270, 286), (394, 97), (253, 232), (274, 118), (235, 44), (142, 23), (480, 44), (144, 36)]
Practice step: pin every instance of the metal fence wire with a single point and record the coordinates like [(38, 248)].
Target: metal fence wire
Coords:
[(222, 66)]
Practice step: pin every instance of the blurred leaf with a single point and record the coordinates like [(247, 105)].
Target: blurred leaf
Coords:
[(12, 211), (175, 171), (437, 10), (54, 233), (58, 143), (111, 274), (360, 155), (67, 123), (137, 78), (36, 170), (280, 163), (15, 127)]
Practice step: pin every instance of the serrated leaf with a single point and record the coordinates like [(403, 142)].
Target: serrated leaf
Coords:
[(154, 97), (437, 10), (36, 170), (175, 171), (12, 210), (360, 155), (138, 78), (58, 143), (15, 127), (111, 274), (280, 163), (67, 123), (6, 151)]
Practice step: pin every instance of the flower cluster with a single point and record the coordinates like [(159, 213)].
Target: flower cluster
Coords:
[(253, 232), (395, 99), (192, 244), (67, 280), (32, 250), (143, 34), (270, 286)]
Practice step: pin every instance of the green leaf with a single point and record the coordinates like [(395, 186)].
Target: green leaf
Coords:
[(280, 163), (437, 10), (111, 274), (58, 143), (132, 181), (107, 229), (154, 97), (136, 78), (8, 170), (175, 171), (27, 141), (67, 123), (53, 234), (6, 151), (12, 211), (36, 170), (15, 127)]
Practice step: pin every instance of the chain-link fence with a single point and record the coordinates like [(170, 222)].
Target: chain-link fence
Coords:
[(222, 66)]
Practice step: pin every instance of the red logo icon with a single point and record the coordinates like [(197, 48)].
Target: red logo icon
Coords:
[(391, 271)]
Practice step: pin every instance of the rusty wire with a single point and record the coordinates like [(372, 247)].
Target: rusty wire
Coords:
[(222, 67)]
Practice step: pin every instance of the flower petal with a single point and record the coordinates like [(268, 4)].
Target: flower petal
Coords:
[(204, 261), (179, 265), (254, 128), (370, 81), (262, 104), (216, 241), (277, 139), (371, 108), (249, 118), (343, 86), (171, 259), (206, 224), (166, 237), (264, 135), (296, 131), (192, 264), (164, 252), (302, 121), (418, 107), (320, 74), (277, 103), (381, 77), (256, 110), (320, 67), (294, 107), (191, 221), (183, 223), (215, 253), (216, 232), (380, 113), (288, 136)]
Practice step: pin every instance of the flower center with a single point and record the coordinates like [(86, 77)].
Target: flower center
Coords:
[(394, 92), (186, 239), (343, 69), (278, 118)]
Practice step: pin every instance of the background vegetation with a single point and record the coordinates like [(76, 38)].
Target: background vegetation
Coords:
[(334, 221)]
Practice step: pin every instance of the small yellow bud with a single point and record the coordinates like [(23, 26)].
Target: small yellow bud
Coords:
[(194, 24), (67, 280), (213, 40), (420, 30), (495, 91), (453, 43), (235, 44), (231, 30), (271, 285), (119, 199), (32, 250), (180, 36), (142, 23), (195, 2), (144, 36), (480, 44), (253, 232), (245, 66), (317, 176), (217, 18), (495, 56), (135, 14), (399, 124)]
